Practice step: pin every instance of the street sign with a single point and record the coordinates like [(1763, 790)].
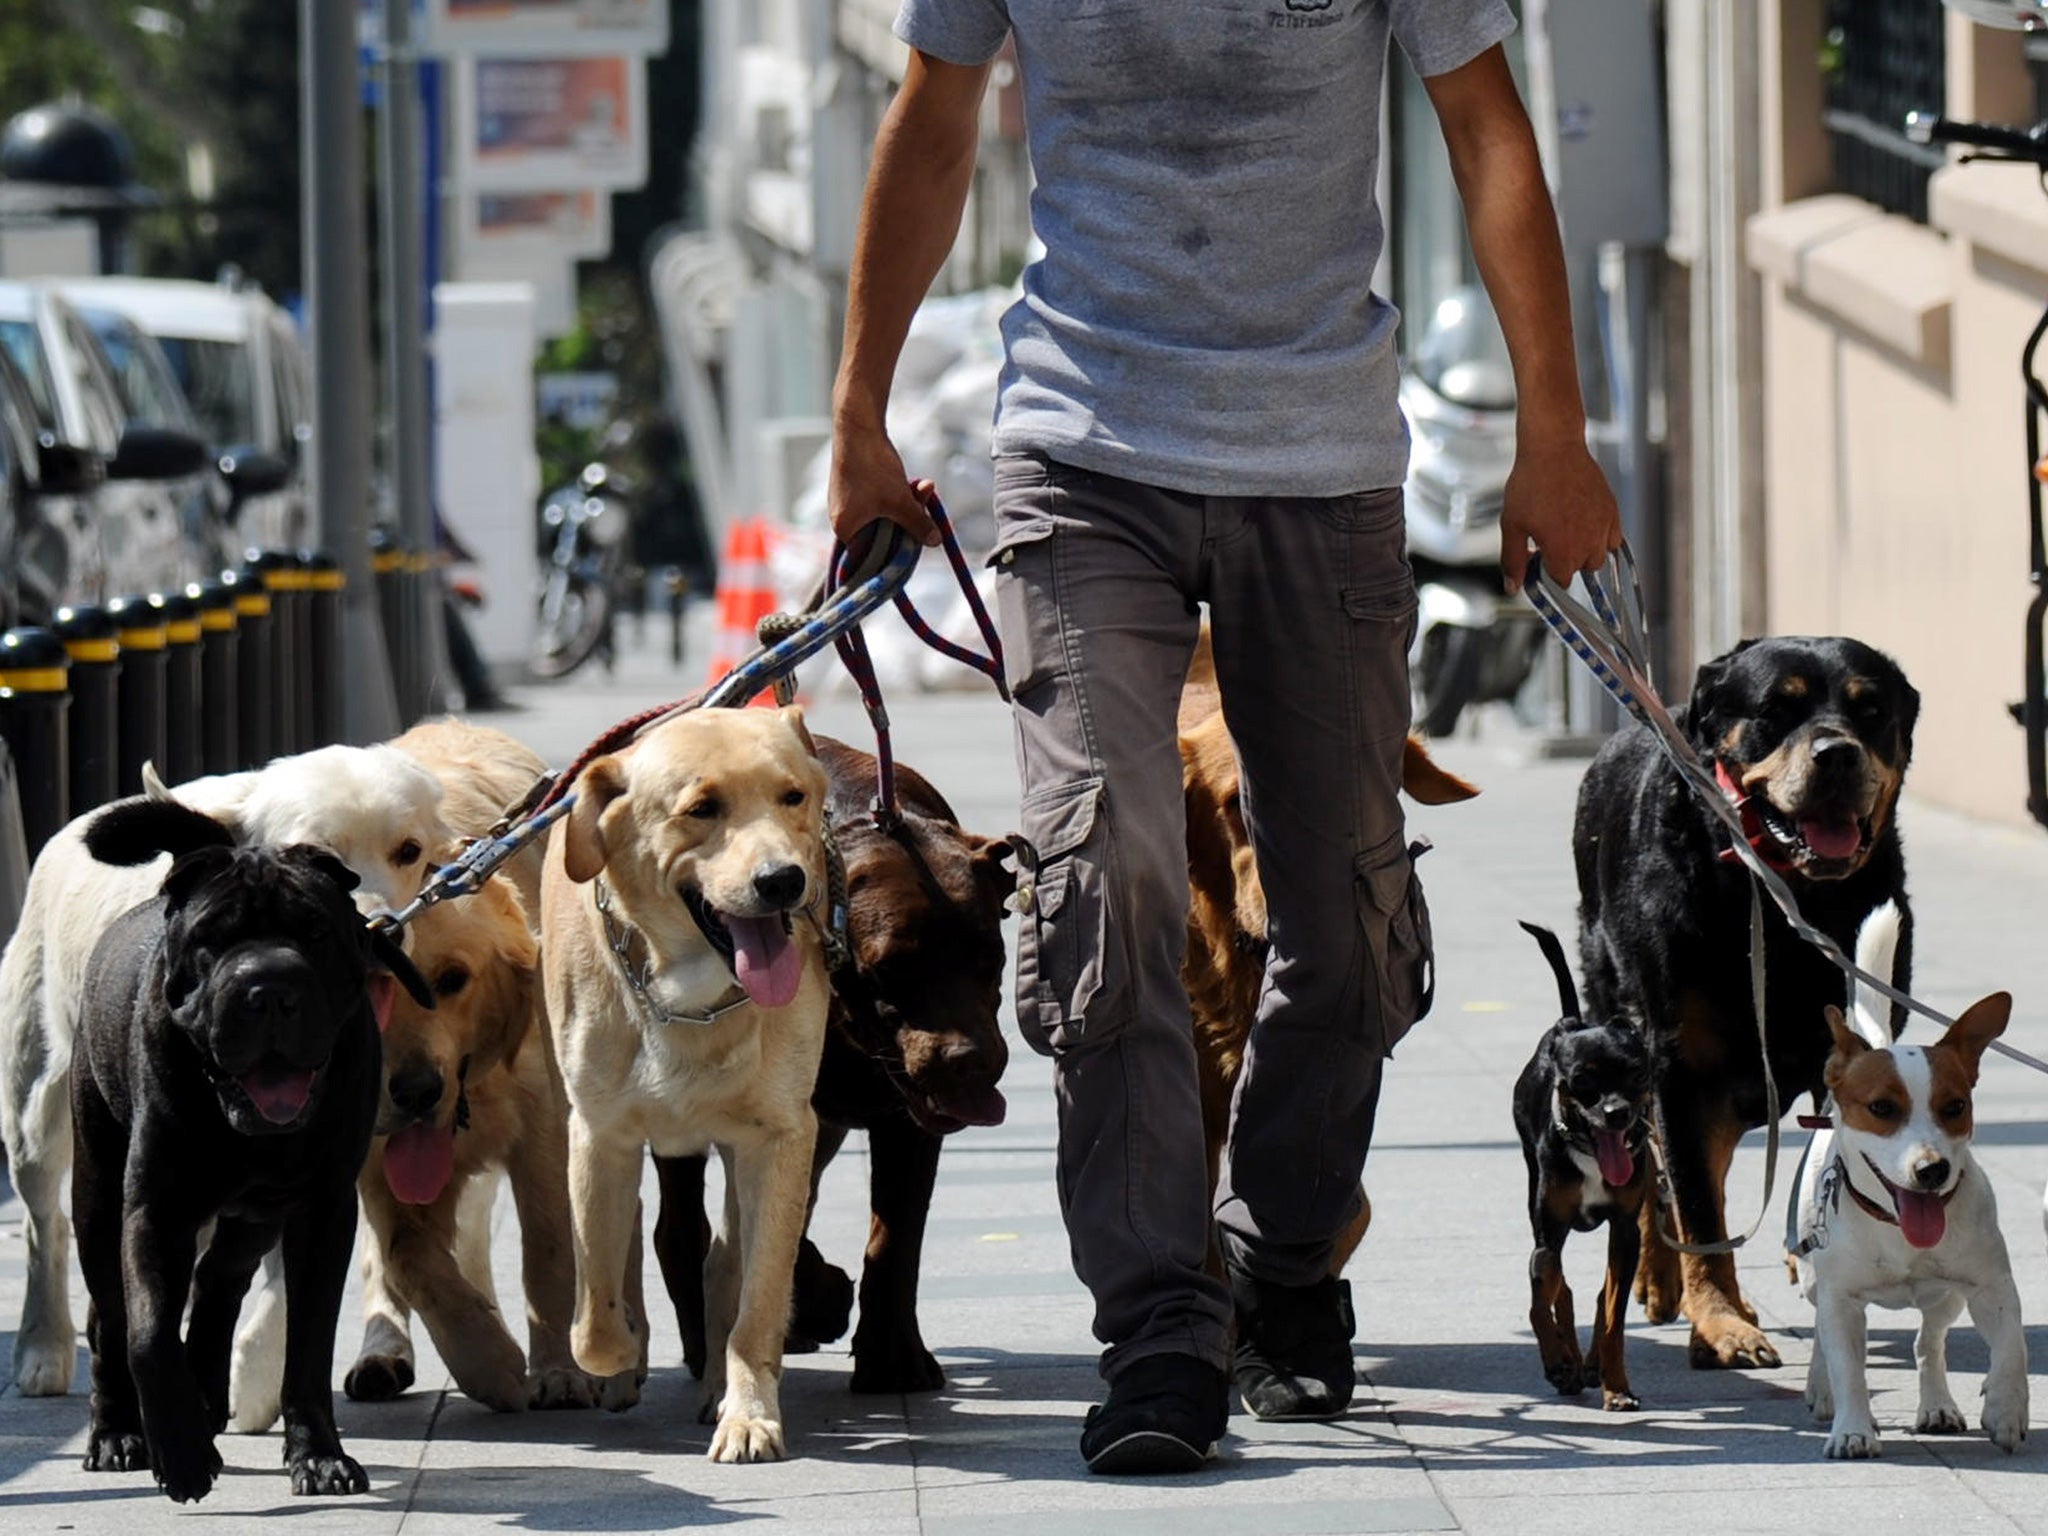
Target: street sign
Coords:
[(523, 124), (552, 28), (558, 223)]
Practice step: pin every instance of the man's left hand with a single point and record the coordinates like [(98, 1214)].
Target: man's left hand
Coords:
[(1558, 500)]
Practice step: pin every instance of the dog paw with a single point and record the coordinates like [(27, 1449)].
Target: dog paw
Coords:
[(108, 1450), (43, 1367), (744, 1439), (615, 1394), (312, 1475), (1728, 1341), (1940, 1419), (186, 1469), (1568, 1375), (1623, 1401), (821, 1303), (895, 1366), (1852, 1445), (2005, 1419), (378, 1378), (562, 1387)]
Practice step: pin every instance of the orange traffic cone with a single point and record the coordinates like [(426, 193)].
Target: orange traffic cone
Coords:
[(746, 595)]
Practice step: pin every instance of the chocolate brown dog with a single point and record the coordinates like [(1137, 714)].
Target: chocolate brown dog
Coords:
[(913, 1053), (226, 1071)]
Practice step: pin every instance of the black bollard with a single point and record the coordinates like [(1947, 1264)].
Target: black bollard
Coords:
[(184, 754), (326, 581), (144, 734), (387, 566), (254, 663), (35, 699), (220, 747), (13, 848), (267, 567), (305, 710), (95, 732)]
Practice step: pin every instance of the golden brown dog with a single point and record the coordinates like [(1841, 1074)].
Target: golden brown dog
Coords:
[(1226, 956), (469, 1091), (687, 995)]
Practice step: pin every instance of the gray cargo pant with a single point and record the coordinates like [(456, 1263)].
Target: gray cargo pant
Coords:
[(1312, 606)]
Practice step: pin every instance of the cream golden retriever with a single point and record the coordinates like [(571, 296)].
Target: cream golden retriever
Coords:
[(687, 993), (376, 810)]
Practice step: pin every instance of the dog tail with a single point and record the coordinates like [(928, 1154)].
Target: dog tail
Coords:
[(1427, 781), (1877, 949), (1567, 994)]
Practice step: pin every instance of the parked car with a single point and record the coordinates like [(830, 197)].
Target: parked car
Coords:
[(41, 480), (239, 363), (130, 533)]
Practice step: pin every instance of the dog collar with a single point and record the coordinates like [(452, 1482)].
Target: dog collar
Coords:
[(1870, 1207), (1753, 833), (619, 936)]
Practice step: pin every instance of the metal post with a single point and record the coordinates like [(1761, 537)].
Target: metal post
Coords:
[(402, 198), (337, 302)]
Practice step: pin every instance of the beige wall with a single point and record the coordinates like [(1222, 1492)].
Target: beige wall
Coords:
[(1895, 503)]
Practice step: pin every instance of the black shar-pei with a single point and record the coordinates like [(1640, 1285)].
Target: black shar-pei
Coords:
[(226, 1072)]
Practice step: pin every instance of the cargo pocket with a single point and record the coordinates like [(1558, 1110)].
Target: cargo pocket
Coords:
[(1396, 918), (1062, 944), (1027, 607)]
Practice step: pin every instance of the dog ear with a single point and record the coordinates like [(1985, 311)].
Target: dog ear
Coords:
[(1428, 782), (1971, 1035), (326, 865), (136, 831), (1848, 1046), (996, 860), (583, 850), (389, 953), (1702, 714), (793, 717)]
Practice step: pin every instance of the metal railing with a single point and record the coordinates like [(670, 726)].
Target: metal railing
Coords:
[(1882, 59)]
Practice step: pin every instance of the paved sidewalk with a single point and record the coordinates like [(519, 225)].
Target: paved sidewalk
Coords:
[(1454, 1428)]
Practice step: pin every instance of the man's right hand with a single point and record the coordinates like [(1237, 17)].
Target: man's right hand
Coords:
[(867, 485)]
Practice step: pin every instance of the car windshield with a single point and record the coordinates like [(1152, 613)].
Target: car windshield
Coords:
[(25, 345), (149, 392), (217, 380)]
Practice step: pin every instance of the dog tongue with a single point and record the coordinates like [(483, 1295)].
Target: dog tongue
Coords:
[(1831, 839), (418, 1162), (383, 993), (1617, 1163), (765, 959), (1922, 1218), (279, 1094)]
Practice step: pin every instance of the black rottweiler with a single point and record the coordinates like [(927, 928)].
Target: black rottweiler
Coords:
[(1811, 737), (226, 1070), (1582, 1106), (913, 1053)]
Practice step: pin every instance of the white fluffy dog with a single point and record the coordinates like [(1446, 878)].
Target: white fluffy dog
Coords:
[(374, 808)]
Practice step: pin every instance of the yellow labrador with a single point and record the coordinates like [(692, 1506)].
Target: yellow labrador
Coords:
[(686, 991)]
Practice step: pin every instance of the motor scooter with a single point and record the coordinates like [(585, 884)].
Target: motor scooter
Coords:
[(1473, 643)]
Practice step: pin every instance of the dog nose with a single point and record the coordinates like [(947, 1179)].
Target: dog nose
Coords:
[(780, 885), (268, 1002), (1829, 745), (1932, 1175), (415, 1090), (1617, 1113)]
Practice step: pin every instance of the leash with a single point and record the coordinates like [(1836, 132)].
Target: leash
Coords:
[(1619, 661), (1611, 640), (857, 585)]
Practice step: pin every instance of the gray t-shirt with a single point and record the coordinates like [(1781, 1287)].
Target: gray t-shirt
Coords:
[(1206, 170)]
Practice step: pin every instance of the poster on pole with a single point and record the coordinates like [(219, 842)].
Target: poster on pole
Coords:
[(556, 28), (565, 223), (528, 123)]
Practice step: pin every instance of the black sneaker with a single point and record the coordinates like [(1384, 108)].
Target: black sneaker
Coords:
[(1293, 1347), (1165, 1413)]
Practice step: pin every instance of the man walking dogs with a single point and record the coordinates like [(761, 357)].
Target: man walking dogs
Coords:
[(1199, 406)]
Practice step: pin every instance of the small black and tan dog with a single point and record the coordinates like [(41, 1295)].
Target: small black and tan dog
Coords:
[(226, 1071), (1582, 1106)]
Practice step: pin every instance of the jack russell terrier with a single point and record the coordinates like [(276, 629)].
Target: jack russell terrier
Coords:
[(1894, 1211)]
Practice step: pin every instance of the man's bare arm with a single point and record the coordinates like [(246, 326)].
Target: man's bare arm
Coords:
[(917, 188), (1556, 496)]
